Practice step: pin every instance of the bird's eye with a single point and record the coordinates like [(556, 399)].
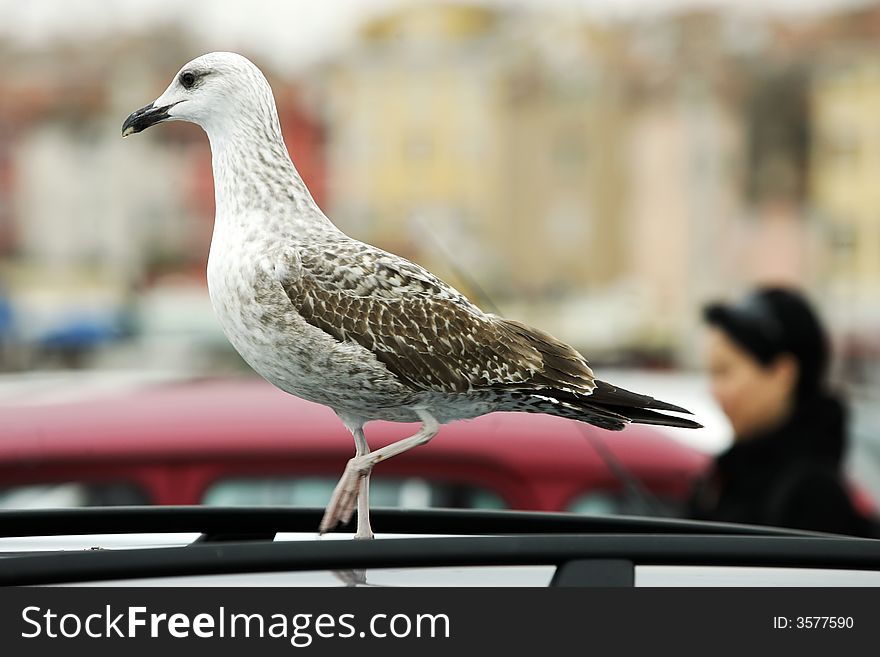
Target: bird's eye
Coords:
[(187, 80)]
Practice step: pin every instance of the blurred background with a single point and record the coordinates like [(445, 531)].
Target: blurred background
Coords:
[(600, 169)]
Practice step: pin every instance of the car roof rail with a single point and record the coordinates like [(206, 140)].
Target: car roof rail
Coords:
[(236, 524), (577, 557)]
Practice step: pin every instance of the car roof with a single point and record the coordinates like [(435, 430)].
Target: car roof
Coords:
[(179, 542), (248, 416)]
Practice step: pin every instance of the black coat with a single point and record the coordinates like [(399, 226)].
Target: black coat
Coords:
[(788, 477)]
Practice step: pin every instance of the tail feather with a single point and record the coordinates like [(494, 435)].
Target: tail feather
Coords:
[(610, 395), (566, 387), (646, 416), (525, 402), (609, 407)]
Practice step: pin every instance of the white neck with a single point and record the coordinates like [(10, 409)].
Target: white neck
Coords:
[(254, 178)]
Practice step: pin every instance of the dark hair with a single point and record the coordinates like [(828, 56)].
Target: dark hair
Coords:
[(772, 321)]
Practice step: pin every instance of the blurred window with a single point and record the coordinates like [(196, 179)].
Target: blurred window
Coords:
[(607, 503), (419, 147), (840, 146), (72, 494), (595, 503), (411, 493), (569, 150), (844, 240)]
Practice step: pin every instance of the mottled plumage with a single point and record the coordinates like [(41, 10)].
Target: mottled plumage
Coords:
[(331, 319)]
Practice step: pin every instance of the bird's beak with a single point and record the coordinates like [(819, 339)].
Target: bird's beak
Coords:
[(144, 118)]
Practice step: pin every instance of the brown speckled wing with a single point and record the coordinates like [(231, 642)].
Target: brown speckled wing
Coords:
[(426, 333)]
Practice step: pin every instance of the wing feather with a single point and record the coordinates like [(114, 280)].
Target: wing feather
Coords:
[(424, 331)]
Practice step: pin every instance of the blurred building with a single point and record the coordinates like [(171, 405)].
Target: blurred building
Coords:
[(581, 174), (87, 219), (599, 179), (494, 136), (563, 179), (844, 98), (686, 145), (844, 178), (412, 143), (487, 142)]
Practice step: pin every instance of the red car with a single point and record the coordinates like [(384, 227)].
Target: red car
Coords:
[(242, 441)]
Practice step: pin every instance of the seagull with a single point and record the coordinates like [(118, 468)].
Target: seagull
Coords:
[(342, 323)]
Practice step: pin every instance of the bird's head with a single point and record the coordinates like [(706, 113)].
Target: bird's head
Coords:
[(209, 90)]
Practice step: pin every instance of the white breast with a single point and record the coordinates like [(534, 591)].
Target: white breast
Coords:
[(261, 323)]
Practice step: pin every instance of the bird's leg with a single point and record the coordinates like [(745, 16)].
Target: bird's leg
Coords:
[(344, 499), (362, 448)]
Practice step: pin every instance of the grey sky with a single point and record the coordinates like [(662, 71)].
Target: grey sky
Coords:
[(290, 30)]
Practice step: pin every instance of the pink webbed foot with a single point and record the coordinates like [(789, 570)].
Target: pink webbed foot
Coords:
[(343, 502)]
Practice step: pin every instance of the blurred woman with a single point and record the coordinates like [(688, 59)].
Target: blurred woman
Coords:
[(768, 358)]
